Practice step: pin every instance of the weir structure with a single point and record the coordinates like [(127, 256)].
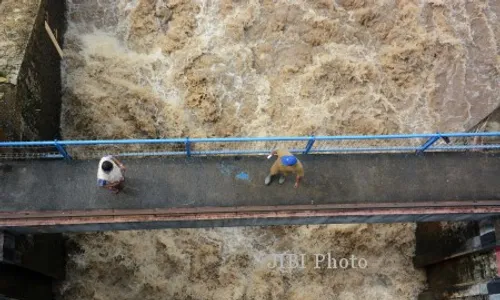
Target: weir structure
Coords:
[(219, 182), (50, 187), (447, 182)]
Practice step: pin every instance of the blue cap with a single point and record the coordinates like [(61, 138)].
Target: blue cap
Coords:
[(288, 160)]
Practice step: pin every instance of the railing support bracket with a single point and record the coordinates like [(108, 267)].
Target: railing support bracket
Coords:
[(430, 142), (188, 147), (62, 150), (309, 145)]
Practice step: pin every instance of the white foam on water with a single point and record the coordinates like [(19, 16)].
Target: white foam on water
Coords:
[(274, 68)]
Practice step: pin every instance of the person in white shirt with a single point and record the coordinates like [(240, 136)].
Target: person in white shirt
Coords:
[(110, 174)]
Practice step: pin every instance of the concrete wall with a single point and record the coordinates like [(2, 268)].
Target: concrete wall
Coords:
[(461, 259), (30, 265), (10, 113), (41, 253), (21, 284), (489, 124), (30, 104)]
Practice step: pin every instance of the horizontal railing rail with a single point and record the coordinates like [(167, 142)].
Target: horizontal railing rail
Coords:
[(417, 143)]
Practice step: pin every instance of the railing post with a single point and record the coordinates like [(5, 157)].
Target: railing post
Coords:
[(431, 141), (188, 147), (309, 145), (61, 150)]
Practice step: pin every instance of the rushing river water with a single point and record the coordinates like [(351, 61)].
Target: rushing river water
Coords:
[(153, 68)]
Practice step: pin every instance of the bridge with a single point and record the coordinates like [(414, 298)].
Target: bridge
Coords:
[(50, 186)]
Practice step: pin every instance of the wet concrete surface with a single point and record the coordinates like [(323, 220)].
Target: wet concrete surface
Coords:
[(239, 181)]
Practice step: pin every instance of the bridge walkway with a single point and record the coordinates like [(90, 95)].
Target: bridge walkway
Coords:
[(201, 182)]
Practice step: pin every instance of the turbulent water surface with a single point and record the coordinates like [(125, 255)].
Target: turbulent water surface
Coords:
[(153, 68), (232, 263), (147, 68)]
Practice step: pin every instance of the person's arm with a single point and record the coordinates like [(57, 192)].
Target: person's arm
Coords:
[(297, 181), (120, 165), (300, 174)]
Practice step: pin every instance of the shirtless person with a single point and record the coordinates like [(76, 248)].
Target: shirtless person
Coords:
[(284, 165)]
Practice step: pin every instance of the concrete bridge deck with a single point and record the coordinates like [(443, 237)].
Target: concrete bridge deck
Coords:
[(190, 192)]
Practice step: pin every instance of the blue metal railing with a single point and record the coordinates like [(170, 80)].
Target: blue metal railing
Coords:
[(250, 145)]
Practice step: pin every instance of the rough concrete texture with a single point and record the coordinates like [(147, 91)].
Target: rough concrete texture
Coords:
[(18, 283), (39, 82), (490, 124), (16, 25), (477, 267), (195, 182), (44, 253), (438, 241), (30, 76), (460, 259), (10, 112), (466, 86)]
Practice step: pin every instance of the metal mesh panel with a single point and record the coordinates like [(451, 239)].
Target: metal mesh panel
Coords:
[(126, 150), (476, 140), (29, 152), (249, 146), (469, 143), (365, 145), (245, 148)]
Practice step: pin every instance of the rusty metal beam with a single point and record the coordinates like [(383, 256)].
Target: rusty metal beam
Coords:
[(47, 218), (241, 209)]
